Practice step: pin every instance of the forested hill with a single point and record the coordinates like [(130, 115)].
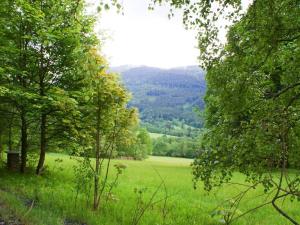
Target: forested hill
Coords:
[(166, 95)]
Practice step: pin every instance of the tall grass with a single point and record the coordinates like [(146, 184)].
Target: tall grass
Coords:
[(50, 199)]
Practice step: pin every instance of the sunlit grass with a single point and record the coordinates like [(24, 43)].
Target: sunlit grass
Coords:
[(158, 135), (54, 194)]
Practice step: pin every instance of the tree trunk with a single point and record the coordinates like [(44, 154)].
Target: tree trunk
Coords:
[(96, 184), (97, 155), (10, 135), (43, 143), (24, 142), (1, 146)]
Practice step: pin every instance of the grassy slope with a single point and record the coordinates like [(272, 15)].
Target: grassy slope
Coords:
[(55, 196), (157, 135)]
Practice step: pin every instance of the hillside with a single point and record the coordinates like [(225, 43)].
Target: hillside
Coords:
[(166, 94)]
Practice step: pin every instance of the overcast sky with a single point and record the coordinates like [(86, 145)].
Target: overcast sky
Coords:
[(143, 37)]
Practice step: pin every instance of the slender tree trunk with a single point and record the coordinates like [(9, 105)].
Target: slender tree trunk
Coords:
[(97, 155), (1, 145), (22, 64), (10, 134), (43, 118), (96, 178), (43, 143), (24, 141)]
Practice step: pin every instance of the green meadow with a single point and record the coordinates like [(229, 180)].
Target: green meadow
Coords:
[(158, 135), (50, 199)]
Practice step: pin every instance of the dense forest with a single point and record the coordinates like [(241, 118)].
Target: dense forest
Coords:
[(73, 150), (170, 102), (166, 94)]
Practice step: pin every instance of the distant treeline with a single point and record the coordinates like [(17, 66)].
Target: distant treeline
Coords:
[(176, 147)]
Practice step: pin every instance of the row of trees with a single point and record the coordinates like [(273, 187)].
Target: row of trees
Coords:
[(55, 92), (176, 147)]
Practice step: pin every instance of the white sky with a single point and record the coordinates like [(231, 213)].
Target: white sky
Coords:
[(143, 37)]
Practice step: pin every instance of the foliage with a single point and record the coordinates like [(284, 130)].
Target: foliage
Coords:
[(252, 103), (139, 146), (49, 77), (176, 147), (145, 141), (42, 59), (106, 119)]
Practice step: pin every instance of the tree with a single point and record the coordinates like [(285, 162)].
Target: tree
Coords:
[(136, 143), (65, 34), (252, 104), (45, 49), (253, 88), (145, 142), (106, 120), (16, 61), (46, 44)]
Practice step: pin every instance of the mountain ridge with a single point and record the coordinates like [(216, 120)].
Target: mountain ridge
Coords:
[(165, 94)]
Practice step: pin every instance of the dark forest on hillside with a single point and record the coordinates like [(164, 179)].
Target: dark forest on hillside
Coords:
[(166, 98)]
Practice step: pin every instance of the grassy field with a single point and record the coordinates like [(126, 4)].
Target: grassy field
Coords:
[(54, 195), (158, 135)]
